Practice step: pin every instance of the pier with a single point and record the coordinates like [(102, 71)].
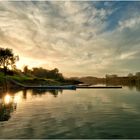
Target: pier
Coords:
[(70, 87)]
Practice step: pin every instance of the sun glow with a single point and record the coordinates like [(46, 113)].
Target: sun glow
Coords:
[(32, 62), (7, 99), (12, 99)]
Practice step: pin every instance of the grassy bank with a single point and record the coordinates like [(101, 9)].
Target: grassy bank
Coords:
[(32, 80)]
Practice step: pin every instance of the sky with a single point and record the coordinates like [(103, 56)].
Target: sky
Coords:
[(80, 38)]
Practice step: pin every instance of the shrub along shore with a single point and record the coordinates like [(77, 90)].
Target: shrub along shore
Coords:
[(24, 79)]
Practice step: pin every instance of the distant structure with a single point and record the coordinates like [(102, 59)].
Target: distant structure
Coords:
[(111, 76)]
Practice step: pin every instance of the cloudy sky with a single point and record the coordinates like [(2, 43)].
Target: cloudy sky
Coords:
[(79, 38)]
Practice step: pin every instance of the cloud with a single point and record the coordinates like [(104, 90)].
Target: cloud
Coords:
[(129, 23), (79, 37)]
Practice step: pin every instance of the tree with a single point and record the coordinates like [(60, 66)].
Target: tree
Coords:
[(55, 70), (7, 59), (137, 74), (25, 69), (130, 75)]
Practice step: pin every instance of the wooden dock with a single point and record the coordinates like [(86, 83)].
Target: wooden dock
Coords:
[(72, 87), (100, 87)]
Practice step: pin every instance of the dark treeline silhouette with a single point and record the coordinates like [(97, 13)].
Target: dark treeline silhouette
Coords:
[(43, 73), (113, 79), (48, 74), (91, 80), (130, 79)]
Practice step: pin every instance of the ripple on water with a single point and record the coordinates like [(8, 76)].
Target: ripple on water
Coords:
[(93, 114)]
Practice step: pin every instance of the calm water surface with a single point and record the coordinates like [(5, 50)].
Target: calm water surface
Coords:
[(84, 113)]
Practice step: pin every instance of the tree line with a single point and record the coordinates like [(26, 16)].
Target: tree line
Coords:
[(44, 73), (8, 67)]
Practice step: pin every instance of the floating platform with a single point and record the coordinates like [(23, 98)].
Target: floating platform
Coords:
[(98, 87), (70, 87)]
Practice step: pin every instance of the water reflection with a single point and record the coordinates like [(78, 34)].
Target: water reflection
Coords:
[(130, 86), (93, 113), (7, 106), (9, 100), (44, 91), (138, 87)]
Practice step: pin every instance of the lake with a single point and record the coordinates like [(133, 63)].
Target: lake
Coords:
[(82, 113)]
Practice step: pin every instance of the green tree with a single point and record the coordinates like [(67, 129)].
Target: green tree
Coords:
[(130, 75), (7, 59), (137, 74), (25, 69)]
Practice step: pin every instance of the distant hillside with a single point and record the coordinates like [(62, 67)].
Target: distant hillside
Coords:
[(91, 80), (111, 80)]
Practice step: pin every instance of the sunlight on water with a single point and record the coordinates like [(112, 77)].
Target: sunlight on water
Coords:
[(18, 97), (93, 113), (7, 99)]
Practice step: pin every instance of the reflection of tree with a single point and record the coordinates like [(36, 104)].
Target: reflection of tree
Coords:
[(44, 91), (8, 103), (138, 87), (25, 94), (38, 91), (7, 106), (131, 87), (54, 92)]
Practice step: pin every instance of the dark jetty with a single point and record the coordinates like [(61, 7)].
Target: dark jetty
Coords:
[(88, 87)]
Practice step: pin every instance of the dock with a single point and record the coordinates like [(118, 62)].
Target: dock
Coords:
[(69, 87), (72, 87), (100, 87)]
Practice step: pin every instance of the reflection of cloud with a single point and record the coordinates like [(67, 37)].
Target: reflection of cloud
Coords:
[(80, 38), (129, 108)]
